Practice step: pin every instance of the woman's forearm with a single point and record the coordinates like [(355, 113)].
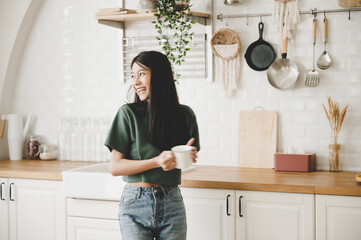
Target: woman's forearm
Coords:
[(120, 167)]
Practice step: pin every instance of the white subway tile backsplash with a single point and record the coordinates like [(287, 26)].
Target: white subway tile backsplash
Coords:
[(350, 162), (306, 119), (293, 132), (351, 147)]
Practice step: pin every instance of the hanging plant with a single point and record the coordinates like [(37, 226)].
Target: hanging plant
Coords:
[(174, 19)]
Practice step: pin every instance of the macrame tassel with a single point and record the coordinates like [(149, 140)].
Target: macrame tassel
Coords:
[(287, 14), (228, 72)]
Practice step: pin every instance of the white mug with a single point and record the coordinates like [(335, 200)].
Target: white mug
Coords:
[(182, 154)]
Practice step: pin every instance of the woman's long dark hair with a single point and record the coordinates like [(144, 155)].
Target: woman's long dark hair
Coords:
[(166, 120)]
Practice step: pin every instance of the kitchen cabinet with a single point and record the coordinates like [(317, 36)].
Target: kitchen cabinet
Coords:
[(4, 208), (338, 217), (93, 229), (92, 219), (206, 216), (210, 213), (222, 214), (32, 209), (242, 215), (272, 215)]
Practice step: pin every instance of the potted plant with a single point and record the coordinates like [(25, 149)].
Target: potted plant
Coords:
[(174, 19)]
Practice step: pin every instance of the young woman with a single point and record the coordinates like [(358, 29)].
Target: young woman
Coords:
[(140, 140)]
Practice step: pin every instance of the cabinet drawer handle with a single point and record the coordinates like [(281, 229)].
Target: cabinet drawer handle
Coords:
[(1, 192), (227, 204), (240, 206), (11, 194)]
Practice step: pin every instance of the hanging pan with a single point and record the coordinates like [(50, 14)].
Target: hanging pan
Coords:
[(283, 73), (260, 54)]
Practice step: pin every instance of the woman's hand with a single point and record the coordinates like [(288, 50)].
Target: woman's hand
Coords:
[(166, 160), (194, 154), (193, 150)]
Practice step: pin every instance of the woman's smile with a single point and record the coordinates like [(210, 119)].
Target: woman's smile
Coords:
[(140, 90), (141, 80)]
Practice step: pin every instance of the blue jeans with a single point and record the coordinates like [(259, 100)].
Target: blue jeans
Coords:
[(152, 213)]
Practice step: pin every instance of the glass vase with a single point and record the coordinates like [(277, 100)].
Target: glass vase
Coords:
[(334, 159)]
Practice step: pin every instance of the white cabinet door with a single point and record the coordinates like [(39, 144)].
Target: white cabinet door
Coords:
[(93, 229), (270, 215), (207, 216), (36, 210), (4, 209), (338, 217)]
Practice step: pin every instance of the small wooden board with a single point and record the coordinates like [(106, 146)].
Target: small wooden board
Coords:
[(349, 3), (257, 139)]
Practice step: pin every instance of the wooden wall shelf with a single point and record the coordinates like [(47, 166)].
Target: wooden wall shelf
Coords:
[(119, 19)]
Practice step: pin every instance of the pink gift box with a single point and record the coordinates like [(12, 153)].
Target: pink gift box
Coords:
[(295, 162)]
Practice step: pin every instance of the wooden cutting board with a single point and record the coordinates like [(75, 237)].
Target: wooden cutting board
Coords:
[(257, 139), (349, 3)]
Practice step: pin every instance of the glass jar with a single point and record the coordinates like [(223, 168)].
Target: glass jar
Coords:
[(32, 148), (47, 152), (334, 159)]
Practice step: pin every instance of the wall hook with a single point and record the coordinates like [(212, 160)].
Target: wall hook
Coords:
[(349, 14), (261, 17), (324, 14), (314, 12), (227, 21), (247, 20)]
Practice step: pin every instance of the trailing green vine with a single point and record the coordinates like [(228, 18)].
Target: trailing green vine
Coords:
[(174, 21)]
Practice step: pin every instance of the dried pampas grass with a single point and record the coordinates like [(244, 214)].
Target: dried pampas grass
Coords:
[(335, 117)]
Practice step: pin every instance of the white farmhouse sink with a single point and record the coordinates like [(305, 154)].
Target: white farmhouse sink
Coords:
[(92, 182)]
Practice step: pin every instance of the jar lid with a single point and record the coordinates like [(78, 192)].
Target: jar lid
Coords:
[(32, 137)]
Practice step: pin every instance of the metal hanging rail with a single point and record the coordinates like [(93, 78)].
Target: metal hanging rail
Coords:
[(310, 12)]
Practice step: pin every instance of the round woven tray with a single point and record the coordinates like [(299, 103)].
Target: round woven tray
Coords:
[(226, 36)]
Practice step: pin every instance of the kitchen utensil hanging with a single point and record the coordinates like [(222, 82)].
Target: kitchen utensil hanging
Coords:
[(283, 73), (286, 16), (324, 61), (226, 46), (313, 77), (260, 54)]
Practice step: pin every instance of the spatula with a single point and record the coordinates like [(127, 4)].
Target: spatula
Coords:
[(313, 77)]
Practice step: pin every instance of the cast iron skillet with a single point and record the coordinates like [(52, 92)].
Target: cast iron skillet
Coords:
[(260, 54)]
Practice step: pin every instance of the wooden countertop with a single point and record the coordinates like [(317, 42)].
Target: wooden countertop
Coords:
[(37, 169), (319, 182)]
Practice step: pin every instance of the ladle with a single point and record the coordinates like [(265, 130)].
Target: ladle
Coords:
[(324, 61)]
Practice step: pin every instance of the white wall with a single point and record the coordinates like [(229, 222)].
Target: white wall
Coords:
[(70, 66), (14, 31)]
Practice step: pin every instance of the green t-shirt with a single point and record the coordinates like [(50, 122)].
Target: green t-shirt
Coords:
[(129, 136)]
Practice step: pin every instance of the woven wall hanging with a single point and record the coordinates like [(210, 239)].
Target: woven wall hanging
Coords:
[(285, 13), (226, 46)]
